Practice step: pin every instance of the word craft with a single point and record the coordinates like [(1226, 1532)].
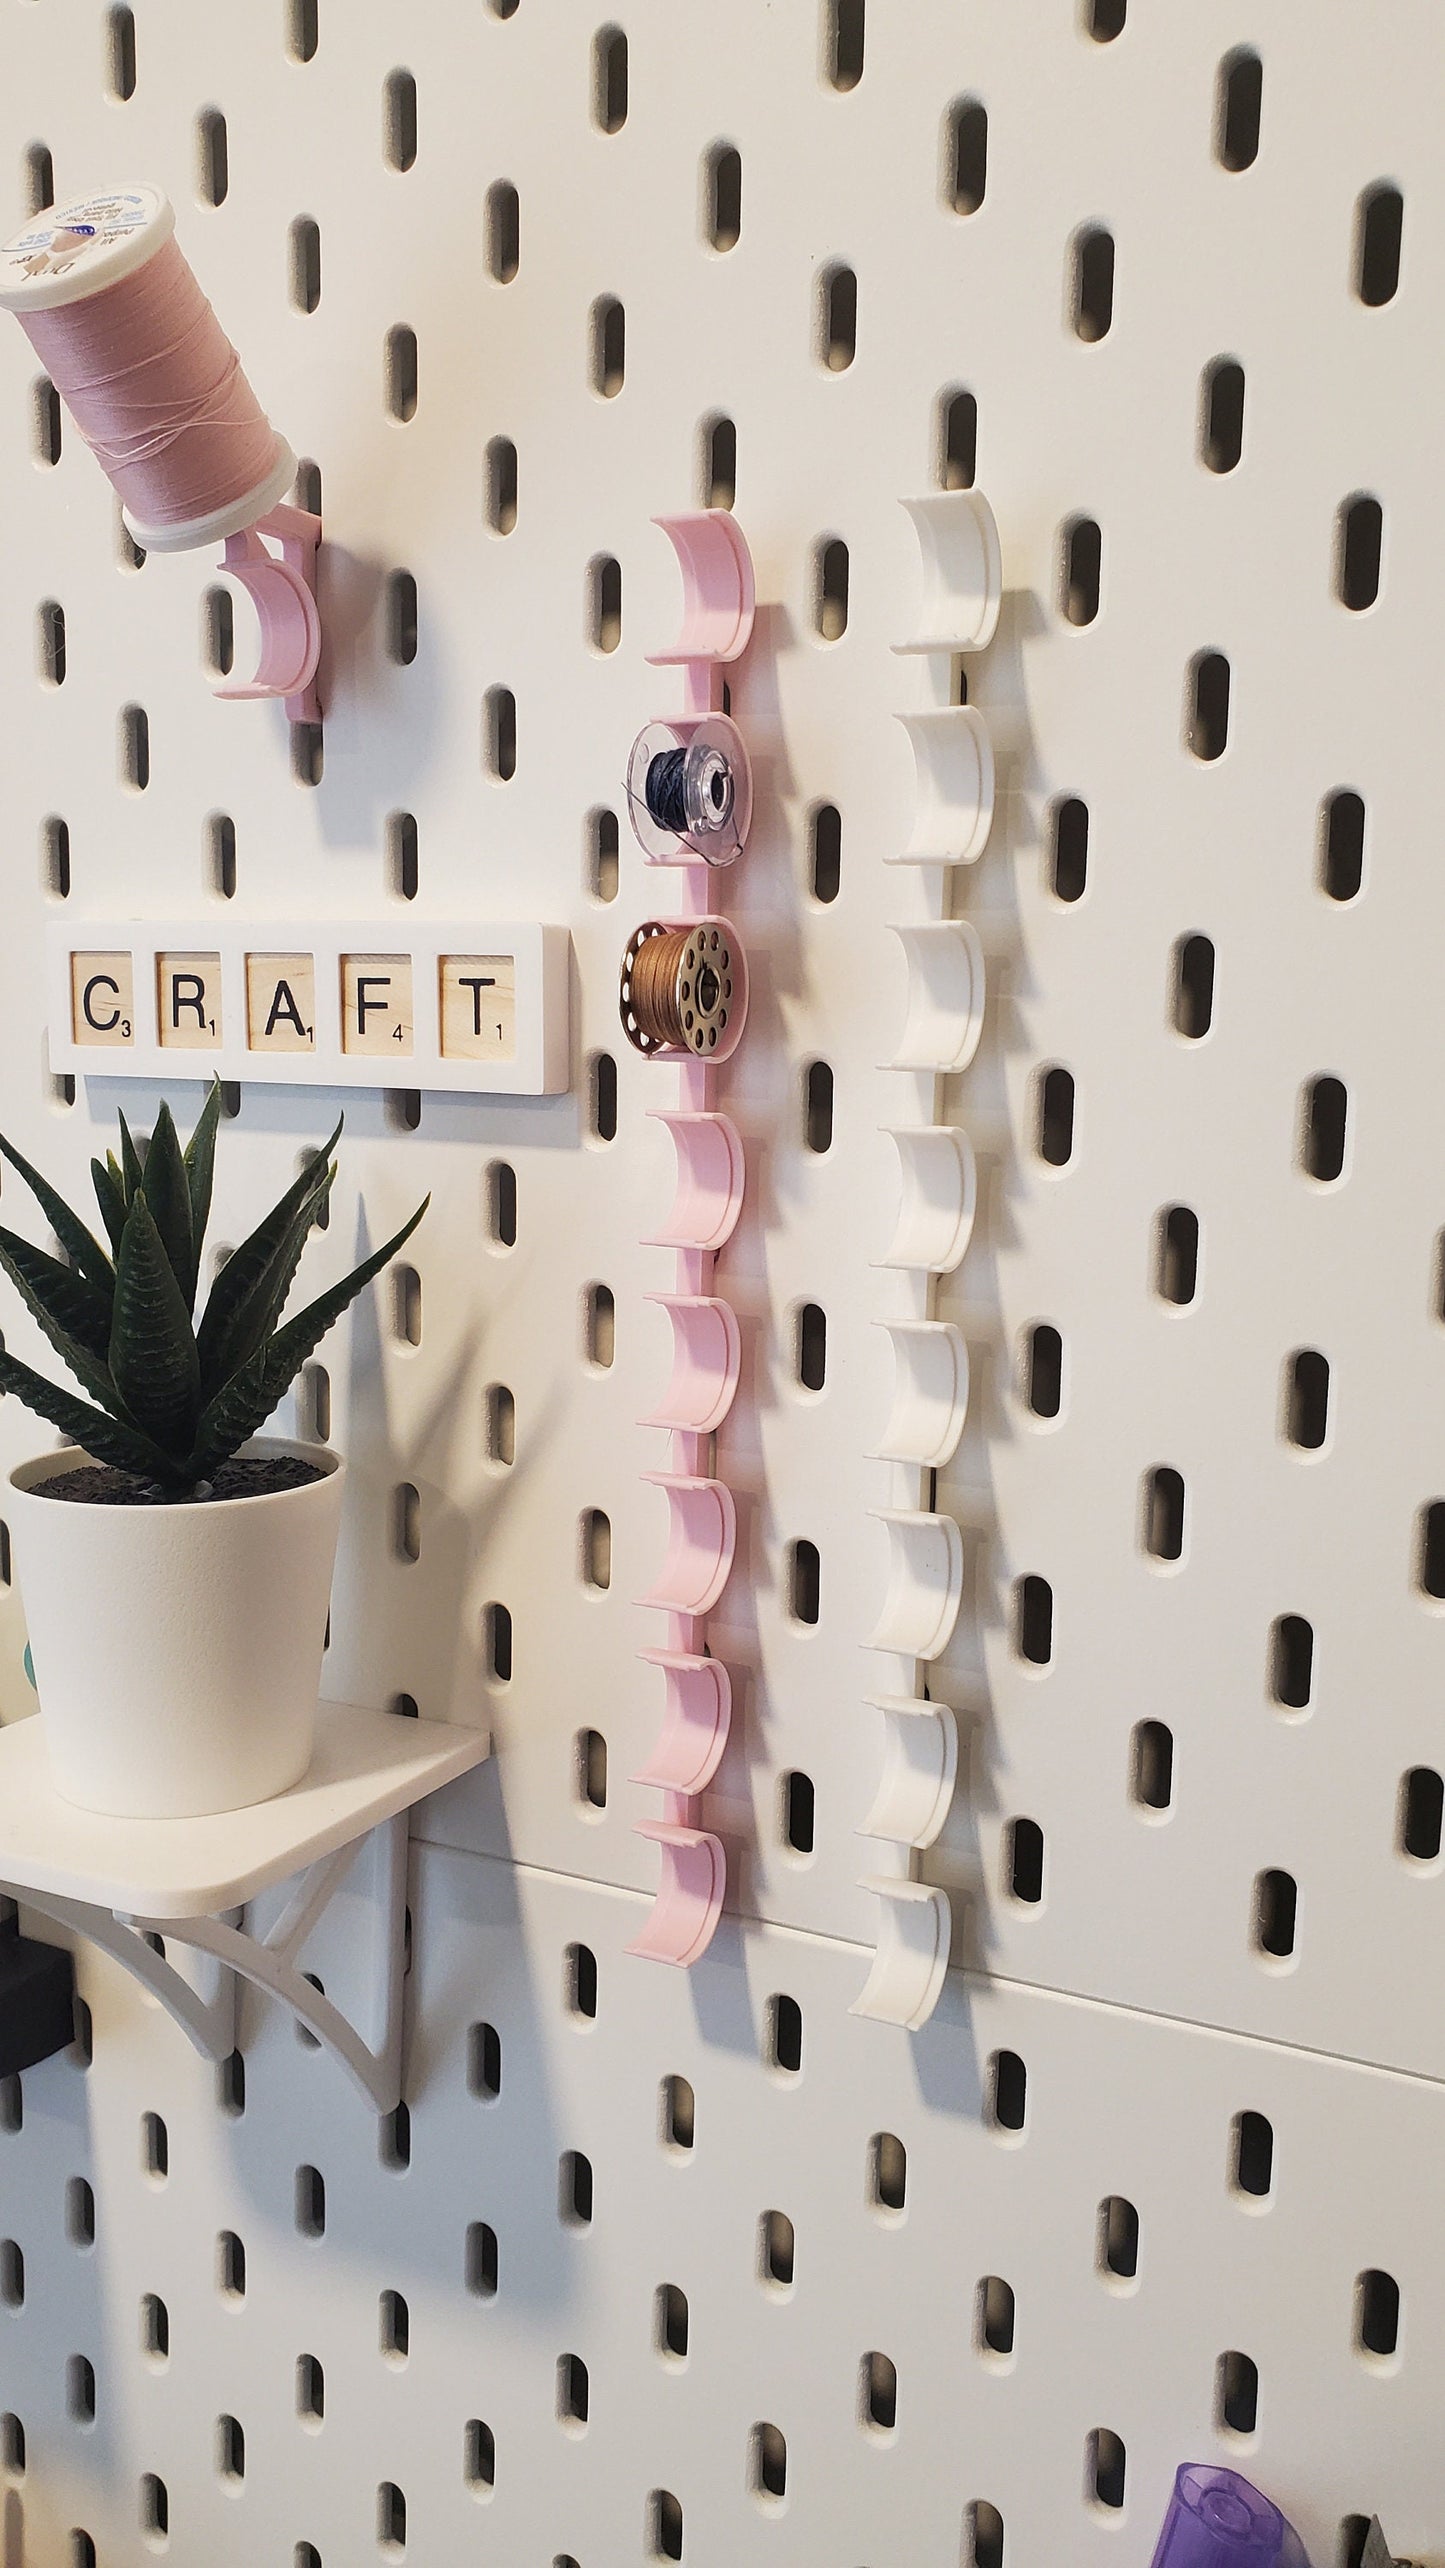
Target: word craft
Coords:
[(459, 1007)]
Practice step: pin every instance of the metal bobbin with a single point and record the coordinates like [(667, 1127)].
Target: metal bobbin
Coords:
[(684, 989), (690, 791)]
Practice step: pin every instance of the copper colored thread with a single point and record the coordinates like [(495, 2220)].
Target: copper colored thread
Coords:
[(654, 987)]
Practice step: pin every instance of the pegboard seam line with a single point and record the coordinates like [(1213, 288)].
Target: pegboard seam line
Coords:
[(628, 1890), (968, 1980), (1198, 2024)]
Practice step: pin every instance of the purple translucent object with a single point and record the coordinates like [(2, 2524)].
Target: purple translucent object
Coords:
[(1217, 2520)]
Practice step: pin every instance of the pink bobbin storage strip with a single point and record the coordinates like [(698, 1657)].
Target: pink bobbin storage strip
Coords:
[(689, 793)]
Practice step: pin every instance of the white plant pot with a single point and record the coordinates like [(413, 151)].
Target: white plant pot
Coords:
[(177, 1650)]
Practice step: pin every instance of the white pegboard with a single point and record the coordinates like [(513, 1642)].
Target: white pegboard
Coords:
[(1141, 1910), (1258, 266), (1116, 2110)]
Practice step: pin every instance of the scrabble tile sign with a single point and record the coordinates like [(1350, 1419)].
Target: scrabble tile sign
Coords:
[(476, 1007)]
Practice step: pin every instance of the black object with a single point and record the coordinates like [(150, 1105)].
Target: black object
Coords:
[(665, 800), (37, 1999)]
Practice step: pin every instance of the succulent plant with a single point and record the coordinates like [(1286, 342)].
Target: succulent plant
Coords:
[(175, 1398)]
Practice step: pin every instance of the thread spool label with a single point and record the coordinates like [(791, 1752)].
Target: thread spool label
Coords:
[(67, 239)]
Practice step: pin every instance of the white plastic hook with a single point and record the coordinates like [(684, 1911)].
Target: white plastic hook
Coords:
[(925, 1583), (930, 1393), (960, 564), (953, 786), (938, 1198), (919, 1772), (946, 987), (915, 1926)]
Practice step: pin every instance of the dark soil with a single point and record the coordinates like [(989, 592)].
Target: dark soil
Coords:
[(99, 1484)]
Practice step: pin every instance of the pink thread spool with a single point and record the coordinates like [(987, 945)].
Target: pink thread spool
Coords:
[(107, 300)]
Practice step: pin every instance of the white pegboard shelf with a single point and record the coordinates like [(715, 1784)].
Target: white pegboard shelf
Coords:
[(130, 1886), (367, 1767)]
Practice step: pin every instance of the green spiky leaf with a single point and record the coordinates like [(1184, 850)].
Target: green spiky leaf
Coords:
[(259, 1315), (168, 1194), (54, 1294), (104, 1439), (153, 1358), (130, 1164), (244, 1403), (200, 1164), (66, 1305), (79, 1244), (108, 1194), (244, 1301), (126, 1331)]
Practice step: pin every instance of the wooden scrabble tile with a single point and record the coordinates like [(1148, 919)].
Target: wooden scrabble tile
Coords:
[(478, 1006), (188, 1002), (102, 1000), (280, 1003), (376, 1007)]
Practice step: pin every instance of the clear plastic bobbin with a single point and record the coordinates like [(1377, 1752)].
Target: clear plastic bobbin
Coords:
[(690, 791)]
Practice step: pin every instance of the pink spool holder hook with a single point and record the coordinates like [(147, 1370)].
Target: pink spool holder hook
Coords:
[(702, 1540), (718, 601), (710, 1181), (690, 1895), (694, 1733), (706, 1361), (282, 588)]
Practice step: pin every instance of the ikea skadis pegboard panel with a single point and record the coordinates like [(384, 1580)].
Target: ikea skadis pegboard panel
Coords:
[(634, 2284), (1086, 1612)]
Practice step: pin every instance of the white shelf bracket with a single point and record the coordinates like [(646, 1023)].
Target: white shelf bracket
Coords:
[(269, 1962), (212, 2023)]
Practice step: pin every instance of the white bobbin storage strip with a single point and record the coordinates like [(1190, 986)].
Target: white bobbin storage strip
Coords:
[(960, 587)]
